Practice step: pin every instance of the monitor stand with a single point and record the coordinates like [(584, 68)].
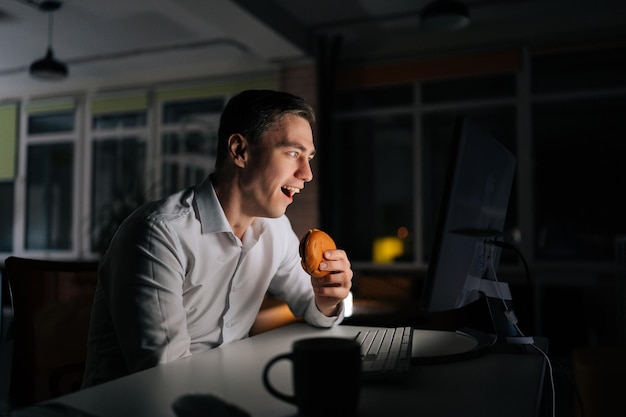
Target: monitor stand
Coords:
[(436, 346)]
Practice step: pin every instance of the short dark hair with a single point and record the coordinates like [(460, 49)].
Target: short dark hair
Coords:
[(252, 112)]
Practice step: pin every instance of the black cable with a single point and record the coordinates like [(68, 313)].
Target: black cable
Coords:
[(519, 254), (579, 400)]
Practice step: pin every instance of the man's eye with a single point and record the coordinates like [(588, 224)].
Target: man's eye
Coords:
[(293, 154)]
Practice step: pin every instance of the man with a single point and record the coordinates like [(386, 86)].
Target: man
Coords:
[(189, 273)]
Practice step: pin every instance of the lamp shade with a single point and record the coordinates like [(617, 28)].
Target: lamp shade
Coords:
[(445, 15), (48, 68)]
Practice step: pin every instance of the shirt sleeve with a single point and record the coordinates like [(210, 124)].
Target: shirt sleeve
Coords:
[(145, 290)]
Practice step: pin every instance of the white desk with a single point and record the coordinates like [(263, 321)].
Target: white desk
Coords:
[(490, 385)]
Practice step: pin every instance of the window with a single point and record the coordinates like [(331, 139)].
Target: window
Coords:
[(51, 171), (468, 89), (375, 163), (578, 149), (579, 70), (73, 167), (53, 122), (119, 163), (391, 146), (90, 159), (50, 197), (577, 152), (188, 141), (393, 157), (6, 222)]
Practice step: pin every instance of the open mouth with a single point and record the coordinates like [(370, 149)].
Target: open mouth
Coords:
[(290, 191)]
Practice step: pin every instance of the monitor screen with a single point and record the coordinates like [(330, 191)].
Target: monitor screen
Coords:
[(471, 222)]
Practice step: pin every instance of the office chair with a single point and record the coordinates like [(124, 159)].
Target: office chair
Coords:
[(51, 309)]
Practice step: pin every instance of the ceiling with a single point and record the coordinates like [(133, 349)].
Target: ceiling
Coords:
[(115, 43)]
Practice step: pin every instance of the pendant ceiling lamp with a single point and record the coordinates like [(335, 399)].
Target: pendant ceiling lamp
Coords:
[(445, 15), (48, 67)]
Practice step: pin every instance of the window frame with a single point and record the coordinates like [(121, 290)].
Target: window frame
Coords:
[(25, 140)]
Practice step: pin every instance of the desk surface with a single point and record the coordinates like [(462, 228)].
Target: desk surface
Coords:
[(489, 385)]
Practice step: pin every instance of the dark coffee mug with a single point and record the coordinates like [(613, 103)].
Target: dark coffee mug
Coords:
[(326, 375)]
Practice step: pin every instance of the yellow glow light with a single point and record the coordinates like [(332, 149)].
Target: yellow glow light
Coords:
[(386, 249)]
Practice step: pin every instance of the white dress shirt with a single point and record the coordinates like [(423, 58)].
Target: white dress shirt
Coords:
[(176, 281)]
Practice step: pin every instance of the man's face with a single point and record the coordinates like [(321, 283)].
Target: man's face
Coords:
[(278, 168)]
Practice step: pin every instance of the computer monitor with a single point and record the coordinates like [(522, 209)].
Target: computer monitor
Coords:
[(467, 245)]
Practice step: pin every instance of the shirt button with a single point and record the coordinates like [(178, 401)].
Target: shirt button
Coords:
[(229, 325)]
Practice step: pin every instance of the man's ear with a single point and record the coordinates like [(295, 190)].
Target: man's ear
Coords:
[(238, 149)]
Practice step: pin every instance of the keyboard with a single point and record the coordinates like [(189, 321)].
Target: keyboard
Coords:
[(386, 352)]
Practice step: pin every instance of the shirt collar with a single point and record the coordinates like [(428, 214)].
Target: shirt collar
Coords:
[(212, 216), (210, 212)]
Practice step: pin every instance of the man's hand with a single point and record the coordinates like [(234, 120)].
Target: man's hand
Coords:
[(331, 289)]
